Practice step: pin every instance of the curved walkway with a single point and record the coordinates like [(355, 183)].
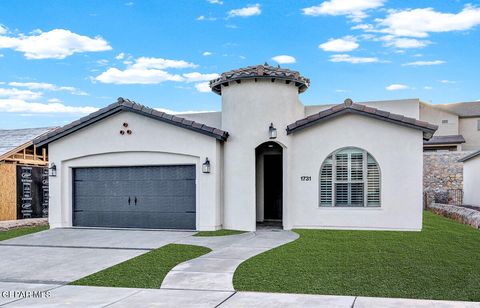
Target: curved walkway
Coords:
[(214, 271)]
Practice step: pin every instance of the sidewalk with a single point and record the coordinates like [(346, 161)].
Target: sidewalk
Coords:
[(80, 296)]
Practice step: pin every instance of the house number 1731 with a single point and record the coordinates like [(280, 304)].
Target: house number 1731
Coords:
[(305, 178)]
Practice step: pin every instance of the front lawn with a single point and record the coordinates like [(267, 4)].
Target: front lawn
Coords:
[(5, 235), (145, 271), (441, 262), (223, 232)]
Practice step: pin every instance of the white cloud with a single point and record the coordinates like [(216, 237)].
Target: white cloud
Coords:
[(136, 76), (424, 63), (421, 22), (354, 9), (353, 60), (55, 44), (47, 87), (195, 77), (427, 88), (203, 17), (207, 53), (347, 43), (247, 11), (19, 105), (403, 43), (446, 81), (397, 86), (3, 30), (54, 100), (160, 63), (153, 71), (102, 62), (215, 1), (120, 56), (19, 94), (341, 91), (284, 59), (203, 87), (364, 27)]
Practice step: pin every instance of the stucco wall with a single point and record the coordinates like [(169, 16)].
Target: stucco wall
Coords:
[(248, 109), (398, 151), (436, 116), (471, 174), (469, 129), (151, 143), (406, 107)]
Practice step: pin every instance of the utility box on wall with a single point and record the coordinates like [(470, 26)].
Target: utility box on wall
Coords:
[(32, 192)]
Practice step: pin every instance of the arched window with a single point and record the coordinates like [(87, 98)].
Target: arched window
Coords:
[(350, 177)]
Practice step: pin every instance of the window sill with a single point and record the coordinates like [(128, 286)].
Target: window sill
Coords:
[(342, 208)]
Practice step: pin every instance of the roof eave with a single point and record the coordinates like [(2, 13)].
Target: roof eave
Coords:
[(40, 141), (427, 132), (468, 157)]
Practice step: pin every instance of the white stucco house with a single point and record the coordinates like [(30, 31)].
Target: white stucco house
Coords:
[(471, 178), (264, 158)]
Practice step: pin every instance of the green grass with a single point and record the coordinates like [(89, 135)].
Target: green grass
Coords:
[(5, 235), (219, 233), (145, 271), (441, 262)]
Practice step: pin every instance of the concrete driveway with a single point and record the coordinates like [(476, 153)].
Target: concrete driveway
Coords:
[(60, 256)]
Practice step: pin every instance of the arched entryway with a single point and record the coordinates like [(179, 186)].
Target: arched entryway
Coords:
[(269, 184)]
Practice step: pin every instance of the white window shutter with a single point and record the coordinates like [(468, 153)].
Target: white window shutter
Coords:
[(350, 177)]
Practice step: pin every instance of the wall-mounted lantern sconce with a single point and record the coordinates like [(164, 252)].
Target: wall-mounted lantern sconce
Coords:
[(206, 166), (52, 171), (272, 131)]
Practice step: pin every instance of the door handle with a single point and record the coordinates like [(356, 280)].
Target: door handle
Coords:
[(128, 200), (135, 200)]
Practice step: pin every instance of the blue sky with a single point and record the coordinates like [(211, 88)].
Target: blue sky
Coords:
[(62, 59)]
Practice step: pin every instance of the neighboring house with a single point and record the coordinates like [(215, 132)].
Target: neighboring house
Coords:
[(471, 178), (23, 174), (458, 126), (264, 158)]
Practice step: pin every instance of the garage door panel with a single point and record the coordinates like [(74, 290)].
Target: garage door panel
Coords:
[(164, 194), (96, 203), (144, 203), (135, 219), (172, 188), (166, 204)]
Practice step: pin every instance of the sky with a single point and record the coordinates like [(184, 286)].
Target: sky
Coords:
[(60, 60)]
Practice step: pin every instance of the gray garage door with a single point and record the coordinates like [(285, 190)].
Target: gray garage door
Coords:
[(159, 197)]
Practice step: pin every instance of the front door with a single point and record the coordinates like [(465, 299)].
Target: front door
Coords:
[(273, 184)]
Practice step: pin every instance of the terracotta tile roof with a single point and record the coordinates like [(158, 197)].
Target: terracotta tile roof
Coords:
[(450, 139), (349, 107), (260, 71), (128, 105)]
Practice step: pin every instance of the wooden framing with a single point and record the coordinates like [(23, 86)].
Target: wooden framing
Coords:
[(26, 154), (8, 191)]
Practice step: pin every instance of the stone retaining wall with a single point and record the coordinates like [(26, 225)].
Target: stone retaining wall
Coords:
[(461, 214), (442, 171), (21, 223)]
